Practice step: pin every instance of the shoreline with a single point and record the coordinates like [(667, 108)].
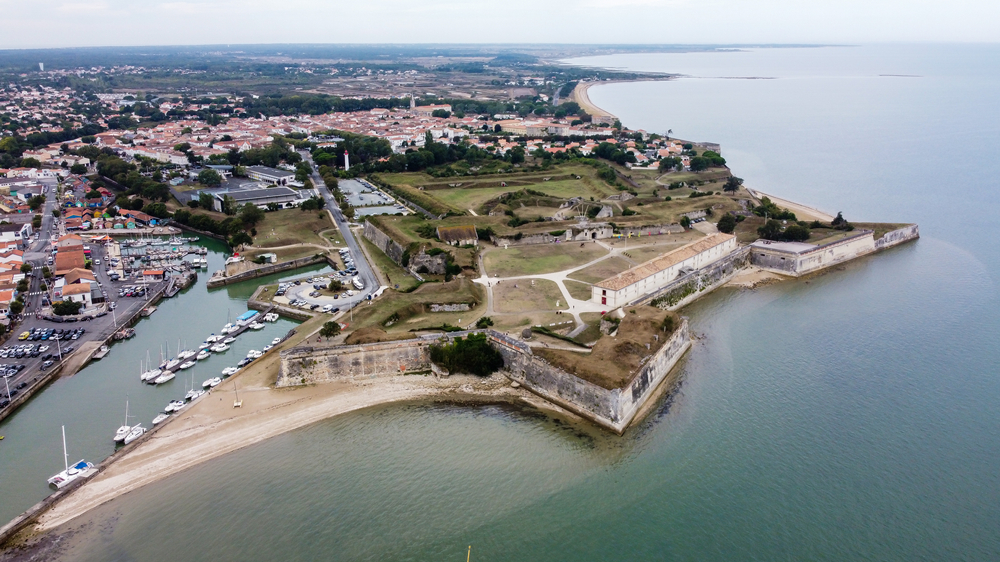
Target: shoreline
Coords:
[(212, 428)]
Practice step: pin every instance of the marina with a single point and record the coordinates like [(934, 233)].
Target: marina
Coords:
[(105, 383)]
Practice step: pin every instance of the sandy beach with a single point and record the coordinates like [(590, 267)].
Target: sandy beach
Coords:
[(581, 97), (753, 277), (802, 212), (212, 428)]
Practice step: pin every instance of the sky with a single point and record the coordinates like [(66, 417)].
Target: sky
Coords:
[(74, 23)]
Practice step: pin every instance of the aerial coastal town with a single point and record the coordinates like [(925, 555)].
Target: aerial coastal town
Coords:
[(442, 232)]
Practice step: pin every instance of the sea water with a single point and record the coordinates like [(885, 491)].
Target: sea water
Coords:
[(849, 416)]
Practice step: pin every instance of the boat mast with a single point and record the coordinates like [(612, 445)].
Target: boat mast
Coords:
[(65, 454)]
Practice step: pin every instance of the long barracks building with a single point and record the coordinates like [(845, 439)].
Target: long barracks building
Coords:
[(656, 273)]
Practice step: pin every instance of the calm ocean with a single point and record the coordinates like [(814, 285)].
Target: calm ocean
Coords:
[(852, 416)]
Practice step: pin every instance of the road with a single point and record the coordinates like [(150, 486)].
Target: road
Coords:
[(365, 271)]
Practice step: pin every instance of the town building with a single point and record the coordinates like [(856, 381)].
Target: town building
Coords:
[(283, 196), (270, 175)]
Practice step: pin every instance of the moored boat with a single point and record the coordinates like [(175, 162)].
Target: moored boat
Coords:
[(219, 348), (203, 354), (134, 434), (186, 365), (211, 383), (162, 416), (166, 376), (82, 468)]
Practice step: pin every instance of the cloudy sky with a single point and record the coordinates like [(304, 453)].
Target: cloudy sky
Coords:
[(69, 23)]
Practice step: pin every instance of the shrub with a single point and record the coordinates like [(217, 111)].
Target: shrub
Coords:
[(727, 224), (472, 355)]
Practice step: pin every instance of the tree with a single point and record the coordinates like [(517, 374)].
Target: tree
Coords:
[(336, 286), (25, 268), (733, 184), (473, 355), (771, 230), (329, 329), (727, 224), (30, 163), (16, 307), (228, 205), (698, 164), (686, 222), (273, 206), (484, 322), (209, 177), (158, 210), (251, 214), (93, 194), (206, 201), (36, 222), (66, 308), (36, 202), (55, 212), (78, 169), (240, 239)]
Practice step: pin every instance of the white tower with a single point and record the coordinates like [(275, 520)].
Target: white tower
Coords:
[(41, 66), (413, 102), (347, 162)]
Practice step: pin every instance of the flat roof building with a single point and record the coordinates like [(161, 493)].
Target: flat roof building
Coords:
[(270, 175), (260, 197)]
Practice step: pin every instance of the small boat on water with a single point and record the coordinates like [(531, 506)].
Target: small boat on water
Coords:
[(230, 371), (186, 354), (205, 345), (70, 473), (267, 348), (275, 341), (134, 434), (212, 382), (203, 354), (197, 394), (213, 338), (271, 317), (245, 361), (160, 418), (254, 354), (123, 430), (256, 326), (230, 327), (100, 353), (172, 365), (219, 348), (186, 365), (165, 377), (175, 405), (229, 340)]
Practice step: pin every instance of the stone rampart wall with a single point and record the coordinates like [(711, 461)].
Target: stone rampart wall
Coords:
[(898, 236), (582, 233), (383, 242), (613, 409)]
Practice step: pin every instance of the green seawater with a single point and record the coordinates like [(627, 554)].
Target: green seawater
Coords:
[(849, 416)]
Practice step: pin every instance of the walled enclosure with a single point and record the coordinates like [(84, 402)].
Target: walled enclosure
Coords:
[(613, 409), (383, 242), (797, 259)]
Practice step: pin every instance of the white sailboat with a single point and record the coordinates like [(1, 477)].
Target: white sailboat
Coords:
[(166, 376), (203, 354), (135, 433), (69, 473), (211, 383), (123, 430), (160, 418)]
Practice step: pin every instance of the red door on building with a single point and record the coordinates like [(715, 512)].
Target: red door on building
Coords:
[(604, 300)]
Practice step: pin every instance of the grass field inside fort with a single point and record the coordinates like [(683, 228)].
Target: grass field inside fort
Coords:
[(539, 258)]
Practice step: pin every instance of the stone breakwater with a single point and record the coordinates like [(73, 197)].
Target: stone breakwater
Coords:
[(614, 409)]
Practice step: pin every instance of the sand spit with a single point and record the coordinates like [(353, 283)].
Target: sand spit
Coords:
[(213, 427), (753, 277)]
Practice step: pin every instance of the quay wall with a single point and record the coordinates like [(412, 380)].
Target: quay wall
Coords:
[(222, 280)]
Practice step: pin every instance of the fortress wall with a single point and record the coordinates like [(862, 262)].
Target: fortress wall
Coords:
[(898, 236), (383, 242), (613, 409), (306, 365), (687, 288), (633, 397)]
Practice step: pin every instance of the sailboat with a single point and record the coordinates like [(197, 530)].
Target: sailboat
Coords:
[(69, 473), (135, 433), (150, 374), (123, 430), (175, 362)]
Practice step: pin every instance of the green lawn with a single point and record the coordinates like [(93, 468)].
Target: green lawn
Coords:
[(578, 290), (292, 226), (523, 296), (539, 258), (405, 305)]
